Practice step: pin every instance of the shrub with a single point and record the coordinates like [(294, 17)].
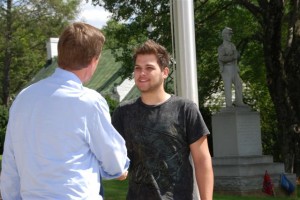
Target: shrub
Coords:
[(3, 123)]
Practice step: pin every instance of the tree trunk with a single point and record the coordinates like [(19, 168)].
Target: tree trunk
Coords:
[(282, 70), (282, 80), (292, 66), (7, 55), (278, 79)]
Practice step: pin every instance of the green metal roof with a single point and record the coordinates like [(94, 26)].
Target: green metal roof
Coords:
[(104, 80)]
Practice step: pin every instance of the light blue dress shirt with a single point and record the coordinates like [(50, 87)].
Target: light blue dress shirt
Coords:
[(59, 137)]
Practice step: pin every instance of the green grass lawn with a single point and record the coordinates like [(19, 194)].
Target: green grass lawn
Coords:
[(116, 190)]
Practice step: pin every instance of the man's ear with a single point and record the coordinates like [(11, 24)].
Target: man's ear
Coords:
[(165, 72)]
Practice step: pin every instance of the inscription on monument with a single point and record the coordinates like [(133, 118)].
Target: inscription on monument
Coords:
[(249, 139)]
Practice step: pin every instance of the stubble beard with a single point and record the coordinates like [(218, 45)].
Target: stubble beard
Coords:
[(150, 88)]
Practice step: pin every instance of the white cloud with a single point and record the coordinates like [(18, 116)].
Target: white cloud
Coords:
[(94, 15)]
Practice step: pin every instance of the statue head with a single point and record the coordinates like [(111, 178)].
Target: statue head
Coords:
[(227, 34)]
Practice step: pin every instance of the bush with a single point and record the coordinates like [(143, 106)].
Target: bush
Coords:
[(3, 124), (112, 103)]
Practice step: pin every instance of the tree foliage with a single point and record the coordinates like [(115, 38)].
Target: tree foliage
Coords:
[(26, 25), (3, 123)]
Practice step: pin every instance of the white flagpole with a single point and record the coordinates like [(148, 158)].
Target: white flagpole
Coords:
[(185, 49), (185, 57)]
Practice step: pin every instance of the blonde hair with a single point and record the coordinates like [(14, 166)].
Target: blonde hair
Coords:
[(78, 45)]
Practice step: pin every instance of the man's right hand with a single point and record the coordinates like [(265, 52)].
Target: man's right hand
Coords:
[(123, 176)]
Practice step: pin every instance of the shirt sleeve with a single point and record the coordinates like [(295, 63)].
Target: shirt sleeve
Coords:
[(196, 127), (111, 152), (9, 181)]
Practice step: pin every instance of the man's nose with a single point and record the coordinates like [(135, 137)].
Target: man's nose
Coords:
[(143, 72)]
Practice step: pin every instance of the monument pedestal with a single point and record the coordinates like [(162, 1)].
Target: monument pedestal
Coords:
[(236, 132), (239, 165)]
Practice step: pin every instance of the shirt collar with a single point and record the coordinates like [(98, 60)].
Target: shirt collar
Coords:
[(59, 72)]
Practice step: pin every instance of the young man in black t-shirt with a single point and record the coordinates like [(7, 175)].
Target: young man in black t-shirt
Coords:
[(161, 130)]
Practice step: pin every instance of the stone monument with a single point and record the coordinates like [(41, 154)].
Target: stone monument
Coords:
[(239, 165)]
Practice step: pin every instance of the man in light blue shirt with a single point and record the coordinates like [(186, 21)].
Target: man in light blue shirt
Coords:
[(59, 138)]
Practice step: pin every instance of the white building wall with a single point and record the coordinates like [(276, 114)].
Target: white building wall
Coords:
[(124, 88), (51, 46)]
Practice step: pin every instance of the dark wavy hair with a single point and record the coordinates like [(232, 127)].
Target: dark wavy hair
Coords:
[(151, 47)]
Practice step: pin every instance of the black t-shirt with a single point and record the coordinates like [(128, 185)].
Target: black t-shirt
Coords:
[(157, 140)]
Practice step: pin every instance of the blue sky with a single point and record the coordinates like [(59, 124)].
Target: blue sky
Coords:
[(94, 15)]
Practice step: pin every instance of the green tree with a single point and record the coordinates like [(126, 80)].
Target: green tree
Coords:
[(3, 122), (26, 25), (279, 33)]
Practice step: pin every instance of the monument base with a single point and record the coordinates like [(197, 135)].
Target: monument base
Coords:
[(236, 132), (244, 175), (239, 166)]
